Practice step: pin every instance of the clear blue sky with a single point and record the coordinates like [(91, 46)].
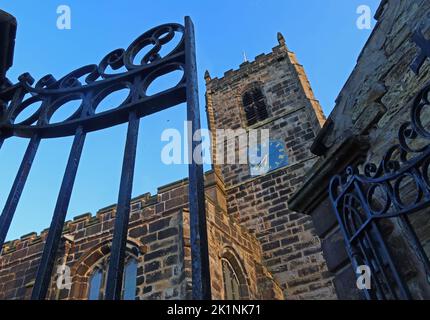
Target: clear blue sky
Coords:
[(322, 33)]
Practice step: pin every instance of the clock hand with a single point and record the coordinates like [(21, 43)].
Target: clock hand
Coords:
[(263, 161)]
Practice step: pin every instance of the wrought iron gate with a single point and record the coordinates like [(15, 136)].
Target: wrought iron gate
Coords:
[(362, 200), (98, 85)]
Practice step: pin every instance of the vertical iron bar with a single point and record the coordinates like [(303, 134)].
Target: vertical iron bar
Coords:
[(404, 292), (403, 288), (367, 293), (405, 222), (119, 241), (416, 243), (380, 264), (44, 272), (201, 283), (348, 244), (17, 188)]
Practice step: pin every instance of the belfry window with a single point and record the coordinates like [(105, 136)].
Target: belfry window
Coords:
[(231, 282), (255, 106), (97, 281)]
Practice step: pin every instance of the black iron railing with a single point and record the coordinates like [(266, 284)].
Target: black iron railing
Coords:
[(98, 85)]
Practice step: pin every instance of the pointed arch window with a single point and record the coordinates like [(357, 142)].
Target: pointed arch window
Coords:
[(129, 282), (97, 282), (95, 285), (254, 105), (231, 281)]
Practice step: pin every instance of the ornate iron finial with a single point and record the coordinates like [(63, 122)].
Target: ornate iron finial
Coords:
[(281, 39), (207, 76), (424, 45)]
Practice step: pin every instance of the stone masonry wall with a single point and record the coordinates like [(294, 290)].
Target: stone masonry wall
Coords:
[(230, 240), (158, 238), (154, 239)]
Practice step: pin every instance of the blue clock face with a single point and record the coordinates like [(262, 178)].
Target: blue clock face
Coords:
[(265, 158)]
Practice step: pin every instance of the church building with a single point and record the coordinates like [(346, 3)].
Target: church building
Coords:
[(258, 247)]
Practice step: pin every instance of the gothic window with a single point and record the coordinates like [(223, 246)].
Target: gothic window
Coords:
[(95, 285), (231, 282), (255, 106), (129, 283), (97, 281)]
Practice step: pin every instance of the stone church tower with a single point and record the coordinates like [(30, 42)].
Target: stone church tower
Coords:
[(272, 93)]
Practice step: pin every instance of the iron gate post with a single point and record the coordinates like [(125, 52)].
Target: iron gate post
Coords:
[(201, 283), (119, 242)]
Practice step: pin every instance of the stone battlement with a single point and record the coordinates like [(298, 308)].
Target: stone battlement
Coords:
[(232, 75), (147, 204)]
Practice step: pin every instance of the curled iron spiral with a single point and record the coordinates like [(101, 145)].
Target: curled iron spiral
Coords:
[(92, 83), (406, 163)]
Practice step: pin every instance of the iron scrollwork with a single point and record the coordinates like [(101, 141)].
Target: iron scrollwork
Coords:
[(92, 83)]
